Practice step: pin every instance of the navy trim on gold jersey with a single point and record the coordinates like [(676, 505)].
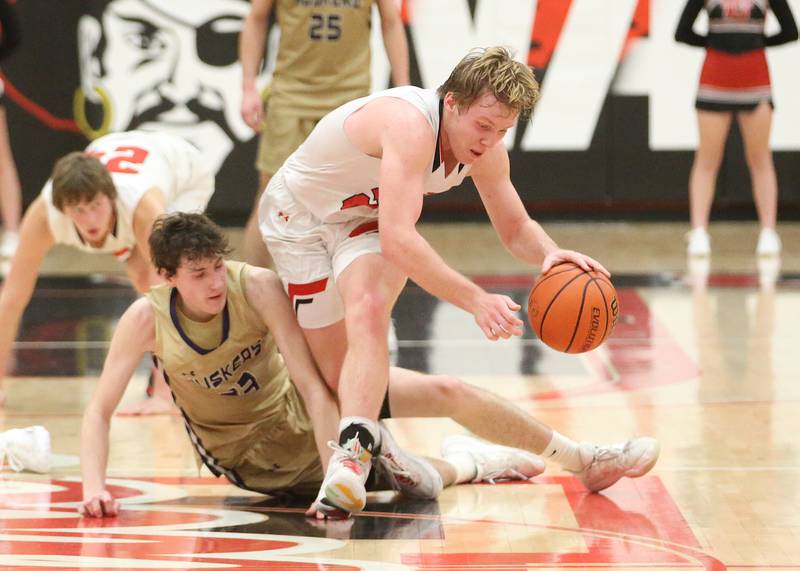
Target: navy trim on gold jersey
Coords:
[(173, 313), (208, 459)]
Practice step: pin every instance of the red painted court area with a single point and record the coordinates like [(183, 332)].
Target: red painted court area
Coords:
[(634, 523)]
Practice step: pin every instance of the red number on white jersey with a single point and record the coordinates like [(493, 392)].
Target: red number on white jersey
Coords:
[(362, 199), (122, 159)]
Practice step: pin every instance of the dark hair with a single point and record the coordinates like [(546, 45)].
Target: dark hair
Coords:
[(185, 235), (493, 70), (78, 177)]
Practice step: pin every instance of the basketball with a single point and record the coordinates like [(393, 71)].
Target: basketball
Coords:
[(572, 310)]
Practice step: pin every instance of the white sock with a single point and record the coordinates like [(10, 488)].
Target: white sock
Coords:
[(464, 465), (371, 426), (565, 452)]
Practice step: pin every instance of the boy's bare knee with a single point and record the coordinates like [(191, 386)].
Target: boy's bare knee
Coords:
[(450, 391), (368, 314)]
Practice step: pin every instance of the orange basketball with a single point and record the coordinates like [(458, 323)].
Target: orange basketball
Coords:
[(572, 310)]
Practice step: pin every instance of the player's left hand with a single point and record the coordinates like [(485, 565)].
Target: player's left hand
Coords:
[(582, 260), (320, 511), (101, 504), (334, 528), (496, 315)]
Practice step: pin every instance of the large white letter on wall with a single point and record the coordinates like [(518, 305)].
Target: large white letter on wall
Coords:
[(579, 75), (444, 32)]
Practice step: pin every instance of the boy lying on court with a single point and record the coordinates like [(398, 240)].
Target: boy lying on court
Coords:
[(258, 412)]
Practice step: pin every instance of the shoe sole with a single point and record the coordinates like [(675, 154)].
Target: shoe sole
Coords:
[(347, 494)]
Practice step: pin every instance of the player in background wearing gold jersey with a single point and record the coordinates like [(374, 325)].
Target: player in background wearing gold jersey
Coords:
[(265, 420), (323, 61)]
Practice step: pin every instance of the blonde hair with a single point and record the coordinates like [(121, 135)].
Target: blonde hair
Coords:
[(493, 70)]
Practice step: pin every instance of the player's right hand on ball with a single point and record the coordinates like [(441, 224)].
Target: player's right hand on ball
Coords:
[(496, 315), (99, 505)]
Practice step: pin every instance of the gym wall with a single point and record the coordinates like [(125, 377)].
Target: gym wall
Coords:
[(611, 138)]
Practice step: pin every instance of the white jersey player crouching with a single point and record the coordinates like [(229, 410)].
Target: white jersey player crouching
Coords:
[(104, 201)]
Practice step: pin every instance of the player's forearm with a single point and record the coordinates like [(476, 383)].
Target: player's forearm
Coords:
[(419, 261), (94, 452), (251, 49), (530, 243), (325, 419), (394, 40), (8, 332)]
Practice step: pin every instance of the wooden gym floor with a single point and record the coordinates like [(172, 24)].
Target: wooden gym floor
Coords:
[(707, 366)]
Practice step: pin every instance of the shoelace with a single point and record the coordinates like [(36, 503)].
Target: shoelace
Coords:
[(8, 454), (605, 453), (349, 454), (394, 470)]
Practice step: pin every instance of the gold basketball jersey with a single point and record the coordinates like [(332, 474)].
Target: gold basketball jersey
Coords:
[(323, 55), (233, 389)]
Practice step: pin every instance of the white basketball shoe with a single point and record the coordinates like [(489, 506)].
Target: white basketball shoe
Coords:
[(343, 490), (769, 270), (409, 474), (26, 449), (605, 465), (494, 462), (769, 243), (699, 242)]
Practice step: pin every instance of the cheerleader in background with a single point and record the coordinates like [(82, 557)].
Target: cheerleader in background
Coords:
[(735, 79)]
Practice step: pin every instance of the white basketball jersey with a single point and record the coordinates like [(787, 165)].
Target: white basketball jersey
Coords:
[(138, 161), (336, 181)]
